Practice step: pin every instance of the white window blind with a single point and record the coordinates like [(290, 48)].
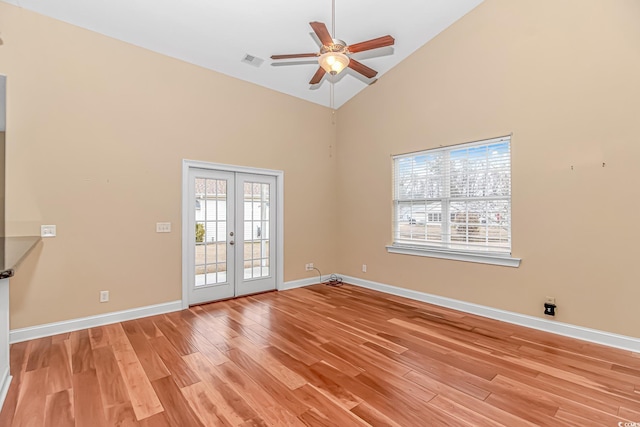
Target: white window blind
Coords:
[(455, 198)]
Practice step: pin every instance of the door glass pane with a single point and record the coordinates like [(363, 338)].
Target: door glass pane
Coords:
[(211, 231), (256, 230)]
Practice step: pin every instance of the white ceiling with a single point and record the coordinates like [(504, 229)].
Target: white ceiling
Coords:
[(217, 34)]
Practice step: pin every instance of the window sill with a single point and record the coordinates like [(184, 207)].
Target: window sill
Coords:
[(482, 258)]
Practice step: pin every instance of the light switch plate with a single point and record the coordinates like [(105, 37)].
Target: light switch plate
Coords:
[(48, 231), (104, 296), (163, 227)]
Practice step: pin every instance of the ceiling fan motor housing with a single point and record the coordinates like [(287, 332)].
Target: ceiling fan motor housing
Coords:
[(338, 46)]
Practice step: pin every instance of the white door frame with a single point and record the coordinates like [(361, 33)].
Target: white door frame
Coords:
[(279, 176)]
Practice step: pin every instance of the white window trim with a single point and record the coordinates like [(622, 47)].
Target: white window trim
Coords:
[(504, 260), (493, 258)]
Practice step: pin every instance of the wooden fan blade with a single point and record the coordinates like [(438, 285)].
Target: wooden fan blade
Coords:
[(321, 31), (372, 44), (317, 76), (362, 69), (295, 55)]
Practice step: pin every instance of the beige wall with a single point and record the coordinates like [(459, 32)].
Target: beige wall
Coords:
[(96, 133), (563, 76)]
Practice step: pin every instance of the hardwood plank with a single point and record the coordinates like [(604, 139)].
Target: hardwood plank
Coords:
[(397, 388), (112, 386), (465, 400), (197, 396), (442, 351), (262, 358), (349, 368), (157, 420), (98, 337), (180, 413), (313, 417), (143, 397), (629, 415), (178, 338), (148, 327), (179, 370), (462, 413), (149, 359), (276, 389), (364, 359), (60, 337), (8, 410), (81, 355), (203, 323), (394, 409), (31, 403), (330, 384), (87, 401), (18, 357), (524, 407), (591, 399), (372, 416), (39, 354), (260, 400), (444, 372), (121, 415), (208, 348), (570, 419), (315, 399), (234, 315), (292, 348), (523, 387), (229, 404), (59, 410), (59, 378)]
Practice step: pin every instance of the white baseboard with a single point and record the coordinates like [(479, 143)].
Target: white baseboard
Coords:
[(5, 382), (48, 329), (559, 328), (300, 283), (566, 329)]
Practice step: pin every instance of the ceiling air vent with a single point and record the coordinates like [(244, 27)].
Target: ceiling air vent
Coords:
[(252, 60)]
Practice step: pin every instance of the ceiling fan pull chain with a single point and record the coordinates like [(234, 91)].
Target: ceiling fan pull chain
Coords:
[(331, 97)]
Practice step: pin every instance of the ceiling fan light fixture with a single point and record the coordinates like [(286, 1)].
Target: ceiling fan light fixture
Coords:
[(333, 62)]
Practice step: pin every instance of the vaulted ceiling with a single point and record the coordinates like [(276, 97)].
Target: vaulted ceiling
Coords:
[(219, 34)]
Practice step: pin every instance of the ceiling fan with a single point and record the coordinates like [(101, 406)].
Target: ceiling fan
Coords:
[(334, 55)]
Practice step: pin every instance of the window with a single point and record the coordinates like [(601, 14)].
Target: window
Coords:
[(434, 217), (455, 199)]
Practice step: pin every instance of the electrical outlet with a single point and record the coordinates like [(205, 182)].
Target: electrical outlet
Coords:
[(309, 266), (550, 306), (47, 231), (104, 296), (364, 268), (163, 227)]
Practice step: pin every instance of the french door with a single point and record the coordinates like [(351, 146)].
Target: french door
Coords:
[(231, 234)]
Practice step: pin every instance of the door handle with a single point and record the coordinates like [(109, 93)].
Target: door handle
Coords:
[(231, 242)]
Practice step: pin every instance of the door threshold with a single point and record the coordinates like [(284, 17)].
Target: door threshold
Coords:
[(233, 298)]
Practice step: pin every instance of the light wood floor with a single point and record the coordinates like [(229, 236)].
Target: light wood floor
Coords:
[(319, 356)]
